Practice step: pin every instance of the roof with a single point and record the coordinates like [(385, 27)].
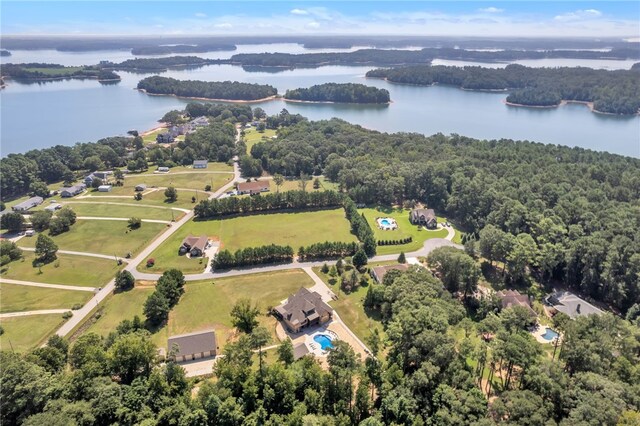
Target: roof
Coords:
[(193, 343), (27, 204), (571, 304), (429, 214), (195, 242), (511, 298), (104, 187), (200, 162), (381, 271), (52, 207), (75, 188), (300, 350), (141, 185), (302, 305), (253, 185)]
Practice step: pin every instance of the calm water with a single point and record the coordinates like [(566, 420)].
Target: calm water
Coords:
[(46, 114)]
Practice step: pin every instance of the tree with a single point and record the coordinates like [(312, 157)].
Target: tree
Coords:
[(12, 221), (124, 280), (285, 352), (244, 315), (278, 179), (316, 183), (40, 220), (93, 163), (39, 188), (359, 259), (9, 251), (458, 271), (172, 117), (135, 222), (402, 258), (325, 268), (68, 215), (156, 308), (45, 249), (304, 181), (96, 182), (260, 336), (171, 194), (131, 355), (137, 196), (259, 113)]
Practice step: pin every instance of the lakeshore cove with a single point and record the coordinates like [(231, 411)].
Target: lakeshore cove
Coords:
[(44, 114)]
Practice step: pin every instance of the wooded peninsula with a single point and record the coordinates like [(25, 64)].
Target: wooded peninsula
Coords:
[(41, 71), (223, 90), (613, 92), (341, 93)]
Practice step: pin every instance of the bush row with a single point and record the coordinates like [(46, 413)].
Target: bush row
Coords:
[(253, 256), (360, 227), (327, 250), (395, 242)]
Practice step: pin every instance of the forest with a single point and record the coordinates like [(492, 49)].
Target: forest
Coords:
[(157, 64), (228, 90), (39, 71), (575, 211), (615, 92), (342, 93)]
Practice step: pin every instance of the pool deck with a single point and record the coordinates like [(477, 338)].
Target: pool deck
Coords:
[(537, 334)]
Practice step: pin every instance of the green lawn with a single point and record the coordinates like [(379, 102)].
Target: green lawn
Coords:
[(405, 229), (18, 298), (211, 167), (82, 271), (56, 71), (191, 180), (294, 185), (207, 304), (98, 209), (118, 307), (24, 333), (252, 136), (295, 229), (110, 237)]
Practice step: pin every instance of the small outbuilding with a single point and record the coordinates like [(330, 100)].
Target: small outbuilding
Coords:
[(192, 346), (104, 188), (200, 164), (28, 204), (163, 169), (141, 187)]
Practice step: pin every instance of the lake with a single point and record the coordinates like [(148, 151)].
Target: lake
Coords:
[(41, 115)]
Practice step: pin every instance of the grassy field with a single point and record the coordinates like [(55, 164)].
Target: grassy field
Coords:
[(252, 136), (296, 229), (211, 167), (98, 209), (207, 304), (56, 71), (18, 298), (191, 180), (294, 185), (118, 307), (405, 229), (70, 270), (110, 237), (24, 333)]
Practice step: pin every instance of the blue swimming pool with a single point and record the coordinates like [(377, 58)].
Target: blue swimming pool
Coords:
[(323, 340), (550, 334), (385, 222)]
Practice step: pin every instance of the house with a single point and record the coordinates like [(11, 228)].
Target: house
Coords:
[(71, 191), (300, 350), (200, 122), (163, 169), (379, 272), (104, 188), (103, 175), (195, 246), (141, 187), (164, 138), (200, 164), (253, 187), (303, 309), (570, 304), (53, 207), (191, 346), (28, 204), (511, 298), (29, 233), (425, 217)]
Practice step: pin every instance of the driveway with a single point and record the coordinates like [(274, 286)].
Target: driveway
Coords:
[(29, 313)]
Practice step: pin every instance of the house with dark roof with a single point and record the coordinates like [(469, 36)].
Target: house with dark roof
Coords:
[(199, 122), (303, 309), (195, 246), (571, 304), (200, 164), (164, 138), (424, 217), (379, 272), (72, 191), (511, 298), (140, 187), (28, 204), (253, 187), (191, 346)]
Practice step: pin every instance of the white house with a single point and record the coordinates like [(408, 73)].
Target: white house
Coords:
[(28, 204)]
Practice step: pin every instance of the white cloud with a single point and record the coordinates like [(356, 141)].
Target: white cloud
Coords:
[(200, 15), (298, 12), (491, 10), (224, 26), (579, 15), (313, 25)]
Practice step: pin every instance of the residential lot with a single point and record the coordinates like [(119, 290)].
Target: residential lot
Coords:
[(111, 209), (24, 333), (118, 307), (19, 298)]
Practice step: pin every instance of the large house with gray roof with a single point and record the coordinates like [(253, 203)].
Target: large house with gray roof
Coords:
[(28, 204), (570, 304), (191, 346), (424, 217), (303, 309)]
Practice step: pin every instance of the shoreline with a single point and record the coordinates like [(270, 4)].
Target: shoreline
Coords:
[(564, 102), (334, 102), (238, 101), (155, 129)]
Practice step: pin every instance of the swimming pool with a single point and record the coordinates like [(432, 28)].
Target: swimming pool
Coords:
[(550, 334), (324, 341), (385, 222)]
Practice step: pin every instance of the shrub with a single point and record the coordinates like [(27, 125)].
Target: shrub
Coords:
[(135, 223), (151, 262), (67, 315), (76, 306)]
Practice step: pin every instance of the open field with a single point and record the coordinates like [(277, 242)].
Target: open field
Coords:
[(252, 136), (56, 71), (294, 185), (207, 304), (118, 307), (405, 229), (103, 237), (295, 229), (82, 271), (24, 333), (191, 180), (211, 167), (98, 209), (19, 298)]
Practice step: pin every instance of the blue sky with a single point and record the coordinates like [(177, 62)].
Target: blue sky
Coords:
[(513, 18)]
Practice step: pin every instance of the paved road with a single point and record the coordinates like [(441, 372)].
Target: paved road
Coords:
[(56, 286), (29, 313), (82, 253)]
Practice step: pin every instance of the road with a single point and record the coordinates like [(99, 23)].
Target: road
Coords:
[(56, 286), (82, 253), (29, 313)]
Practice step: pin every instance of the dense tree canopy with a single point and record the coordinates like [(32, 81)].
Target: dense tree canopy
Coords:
[(342, 93), (231, 90)]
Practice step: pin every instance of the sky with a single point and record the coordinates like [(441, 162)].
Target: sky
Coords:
[(426, 18)]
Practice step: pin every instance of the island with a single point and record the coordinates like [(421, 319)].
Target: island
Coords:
[(158, 64), (46, 72), (182, 48), (4, 52), (339, 93), (207, 90), (610, 92)]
